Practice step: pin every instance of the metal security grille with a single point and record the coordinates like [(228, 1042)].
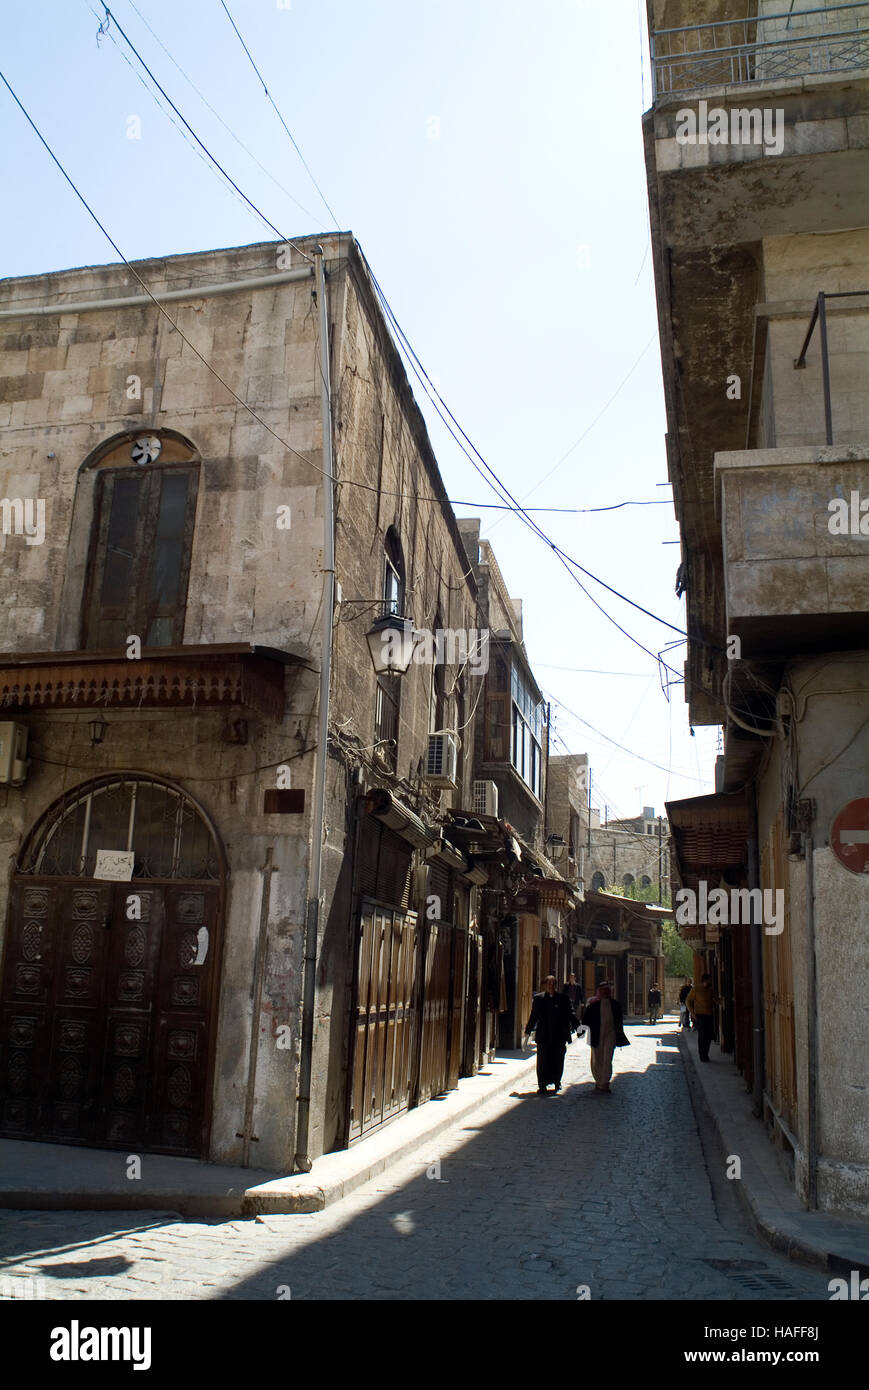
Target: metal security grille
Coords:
[(165, 831)]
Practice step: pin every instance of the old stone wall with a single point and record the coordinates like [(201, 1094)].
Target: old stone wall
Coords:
[(66, 386)]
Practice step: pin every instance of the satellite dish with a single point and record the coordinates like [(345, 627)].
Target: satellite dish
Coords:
[(146, 449)]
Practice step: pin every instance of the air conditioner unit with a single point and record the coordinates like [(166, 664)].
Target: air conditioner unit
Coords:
[(485, 799), (442, 759), (13, 754)]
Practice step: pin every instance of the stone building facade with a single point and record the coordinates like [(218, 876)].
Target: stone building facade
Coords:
[(242, 917), (631, 855), (760, 232)]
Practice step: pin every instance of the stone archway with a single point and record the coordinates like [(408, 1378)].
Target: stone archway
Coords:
[(108, 1000)]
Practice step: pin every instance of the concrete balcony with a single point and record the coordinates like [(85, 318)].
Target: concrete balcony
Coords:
[(764, 47), (796, 562)]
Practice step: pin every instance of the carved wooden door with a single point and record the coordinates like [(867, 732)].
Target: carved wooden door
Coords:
[(51, 1032), (104, 1018)]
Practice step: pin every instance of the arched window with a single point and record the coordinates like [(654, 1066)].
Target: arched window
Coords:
[(597, 882), (627, 880), (438, 693), (393, 574), (144, 501), (646, 881), (389, 687), (166, 833)]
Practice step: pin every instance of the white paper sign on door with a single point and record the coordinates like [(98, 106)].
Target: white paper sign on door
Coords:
[(115, 864)]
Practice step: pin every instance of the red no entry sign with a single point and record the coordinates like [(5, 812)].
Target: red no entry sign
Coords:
[(849, 837)]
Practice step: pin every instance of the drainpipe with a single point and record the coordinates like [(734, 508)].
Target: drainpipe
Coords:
[(267, 870), (812, 1027), (25, 310), (301, 1162), (757, 1015)]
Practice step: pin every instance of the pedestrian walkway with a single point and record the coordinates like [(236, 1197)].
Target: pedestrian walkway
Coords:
[(575, 1195), (59, 1176), (835, 1243)]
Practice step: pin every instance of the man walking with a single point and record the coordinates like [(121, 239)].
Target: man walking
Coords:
[(654, 1002), (574, 994), (603, 1014), (684, 1016), (554, 1020), (701, 1005)]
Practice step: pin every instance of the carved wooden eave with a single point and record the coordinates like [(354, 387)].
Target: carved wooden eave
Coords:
[(186, 677)]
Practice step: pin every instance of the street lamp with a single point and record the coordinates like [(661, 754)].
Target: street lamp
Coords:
[(553, 843), (98, 729), (390, 642)]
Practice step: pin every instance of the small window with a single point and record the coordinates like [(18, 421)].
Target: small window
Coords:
[(597, 882)]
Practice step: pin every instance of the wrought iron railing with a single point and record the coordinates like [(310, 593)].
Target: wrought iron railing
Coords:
[(760, 48), (819, 317)]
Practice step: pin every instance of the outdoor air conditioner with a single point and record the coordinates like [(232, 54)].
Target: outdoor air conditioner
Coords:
[(485, 799), (442, 759), (13, 754)]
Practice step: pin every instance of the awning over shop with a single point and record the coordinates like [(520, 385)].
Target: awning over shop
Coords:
[(708, 836), (381, 804)]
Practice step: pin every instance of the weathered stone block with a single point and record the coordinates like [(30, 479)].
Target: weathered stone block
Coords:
[(815, 137), (27, 387)]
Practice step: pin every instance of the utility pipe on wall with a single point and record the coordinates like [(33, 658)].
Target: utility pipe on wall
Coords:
[(267, 870), (812, 1028), (757, 1015), (302, 1162), (130, 301)]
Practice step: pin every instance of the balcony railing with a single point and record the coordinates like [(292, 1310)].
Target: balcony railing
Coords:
[(819, 317), (833, 38)]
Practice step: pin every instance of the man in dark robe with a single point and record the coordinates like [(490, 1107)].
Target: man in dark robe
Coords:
[(552, 1021)]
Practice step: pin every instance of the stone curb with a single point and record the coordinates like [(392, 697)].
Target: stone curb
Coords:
[(334, 1175), (784, 1231)]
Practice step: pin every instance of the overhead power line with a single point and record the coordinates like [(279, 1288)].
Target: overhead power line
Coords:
[(462, 438), (470, 449), (280, 117), (201, 143), (501, 488), (216, 114), (674, 771)]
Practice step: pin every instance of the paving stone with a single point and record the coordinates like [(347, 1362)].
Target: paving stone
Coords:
[(537, 1198)]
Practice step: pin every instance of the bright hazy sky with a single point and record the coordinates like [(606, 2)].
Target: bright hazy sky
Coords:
[(487, 155)]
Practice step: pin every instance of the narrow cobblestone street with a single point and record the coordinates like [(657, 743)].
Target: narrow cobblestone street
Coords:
[(534, 1199)]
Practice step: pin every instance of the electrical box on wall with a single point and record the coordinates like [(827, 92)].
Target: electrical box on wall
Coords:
[(13, 754)]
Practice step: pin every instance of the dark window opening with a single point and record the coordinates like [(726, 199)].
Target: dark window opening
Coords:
[(140, 556)]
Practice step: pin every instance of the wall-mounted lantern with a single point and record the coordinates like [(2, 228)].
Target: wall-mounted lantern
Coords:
[(390, 642)]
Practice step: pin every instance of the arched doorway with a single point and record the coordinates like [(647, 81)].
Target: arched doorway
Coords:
[(109, 988)]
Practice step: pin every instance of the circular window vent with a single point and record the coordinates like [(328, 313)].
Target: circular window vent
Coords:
[(146, 449)]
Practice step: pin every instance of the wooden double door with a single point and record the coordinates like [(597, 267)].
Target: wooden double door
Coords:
[(106, 1013), (409, 1015)]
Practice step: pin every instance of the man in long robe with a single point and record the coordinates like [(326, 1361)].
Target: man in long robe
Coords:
[(603, 1015), (552, 1021)]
